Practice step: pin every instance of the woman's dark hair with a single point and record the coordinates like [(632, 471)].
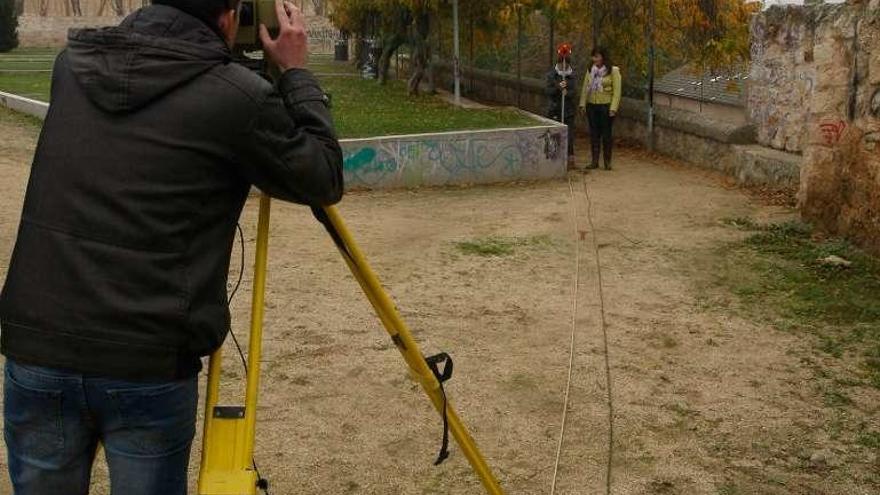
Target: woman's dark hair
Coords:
[(603, 52), (208, 11)]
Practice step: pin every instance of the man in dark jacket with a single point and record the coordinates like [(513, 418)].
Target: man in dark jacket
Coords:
[(117, 284), (561, 85)]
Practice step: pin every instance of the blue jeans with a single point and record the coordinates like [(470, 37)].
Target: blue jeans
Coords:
[(55, 419)]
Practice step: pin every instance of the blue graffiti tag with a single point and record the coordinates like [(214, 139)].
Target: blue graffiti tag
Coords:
[(368, 167)]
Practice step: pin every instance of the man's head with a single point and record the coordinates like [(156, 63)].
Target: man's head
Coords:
[(219, 15)]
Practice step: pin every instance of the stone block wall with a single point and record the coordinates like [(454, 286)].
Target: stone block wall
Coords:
[(708, 142), (782, 77), (840, 184), (45, 23), (497, 87), (815, 89), (702, 139), (37, 31)]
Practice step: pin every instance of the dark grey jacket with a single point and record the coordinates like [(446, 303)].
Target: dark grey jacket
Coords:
[(146, 157), (554, 95)]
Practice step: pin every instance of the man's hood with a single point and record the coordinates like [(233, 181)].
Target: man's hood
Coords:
[(153, 51)]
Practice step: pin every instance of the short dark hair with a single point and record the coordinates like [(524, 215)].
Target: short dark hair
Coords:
[(601, 50), (208, 11)]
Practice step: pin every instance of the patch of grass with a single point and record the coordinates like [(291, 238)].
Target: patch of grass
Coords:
[(729, 489), (777, 271), (19, 119), (363, 108), (17, 76), (740, 222), (34, 85), (870, 439), (682, 410), (836, 398), (500, 246)]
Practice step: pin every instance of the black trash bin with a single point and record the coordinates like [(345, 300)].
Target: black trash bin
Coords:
[(341, 53)]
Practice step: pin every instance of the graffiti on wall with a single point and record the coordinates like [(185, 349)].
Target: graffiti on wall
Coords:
[(832, 131), (458, 158)]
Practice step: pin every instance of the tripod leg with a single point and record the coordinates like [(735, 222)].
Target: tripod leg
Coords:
[(407, 346), (228, 443)]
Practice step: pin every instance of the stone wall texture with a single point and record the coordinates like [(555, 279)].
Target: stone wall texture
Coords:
[(37, 31), (102, 8), (45, 23), (835, 118), (782, 77)]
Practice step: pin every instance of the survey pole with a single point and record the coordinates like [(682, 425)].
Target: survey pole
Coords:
[(456, 66), (651, 61), (519, 29)]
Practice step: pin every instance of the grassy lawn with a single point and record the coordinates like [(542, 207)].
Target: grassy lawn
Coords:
[(361, 108), (781, 272), (26, 72), (823, 288)]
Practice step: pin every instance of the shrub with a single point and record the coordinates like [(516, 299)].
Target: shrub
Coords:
[(8, 26)]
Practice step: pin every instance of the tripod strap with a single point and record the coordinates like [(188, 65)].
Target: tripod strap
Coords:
[(433, 362), (442, 376)]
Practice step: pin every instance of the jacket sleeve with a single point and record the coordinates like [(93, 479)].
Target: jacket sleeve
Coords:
[(290, 150), (585, 90), (551, 87), (616, 83)]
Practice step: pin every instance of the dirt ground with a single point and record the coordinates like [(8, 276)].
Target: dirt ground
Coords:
[(705, 401)]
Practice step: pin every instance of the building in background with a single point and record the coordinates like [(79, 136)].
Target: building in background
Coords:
[(719, 94)]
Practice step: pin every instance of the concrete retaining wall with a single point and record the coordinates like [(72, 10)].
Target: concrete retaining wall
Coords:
[(452, 158), (24, 105), (439, 159)]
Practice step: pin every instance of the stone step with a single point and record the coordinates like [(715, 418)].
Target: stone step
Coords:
[(760, 165)]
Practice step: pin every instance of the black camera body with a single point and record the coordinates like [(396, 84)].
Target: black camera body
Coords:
[(248, 50), (251, 14)]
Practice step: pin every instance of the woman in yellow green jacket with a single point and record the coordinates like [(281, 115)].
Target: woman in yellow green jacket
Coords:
[(600, 99)]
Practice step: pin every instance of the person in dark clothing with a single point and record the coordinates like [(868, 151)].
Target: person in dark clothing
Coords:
[(117, 283), (562, 85), (600, 99)]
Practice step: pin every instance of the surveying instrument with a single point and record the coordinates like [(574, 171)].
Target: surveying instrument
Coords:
[(227, 464), (565, 72)]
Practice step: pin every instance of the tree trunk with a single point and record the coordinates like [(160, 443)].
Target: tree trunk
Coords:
[(418, 70), (389, 48), (421, 52)]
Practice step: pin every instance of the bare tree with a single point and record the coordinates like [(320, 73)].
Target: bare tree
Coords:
[(421, 52)]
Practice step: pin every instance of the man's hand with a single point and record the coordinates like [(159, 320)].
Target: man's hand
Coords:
[(290, 50), (612, 113), (563, 84)]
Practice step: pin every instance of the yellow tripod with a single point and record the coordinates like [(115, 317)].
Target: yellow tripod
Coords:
[(227, 452)]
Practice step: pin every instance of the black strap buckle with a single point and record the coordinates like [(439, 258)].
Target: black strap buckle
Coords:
[(434, 363)]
